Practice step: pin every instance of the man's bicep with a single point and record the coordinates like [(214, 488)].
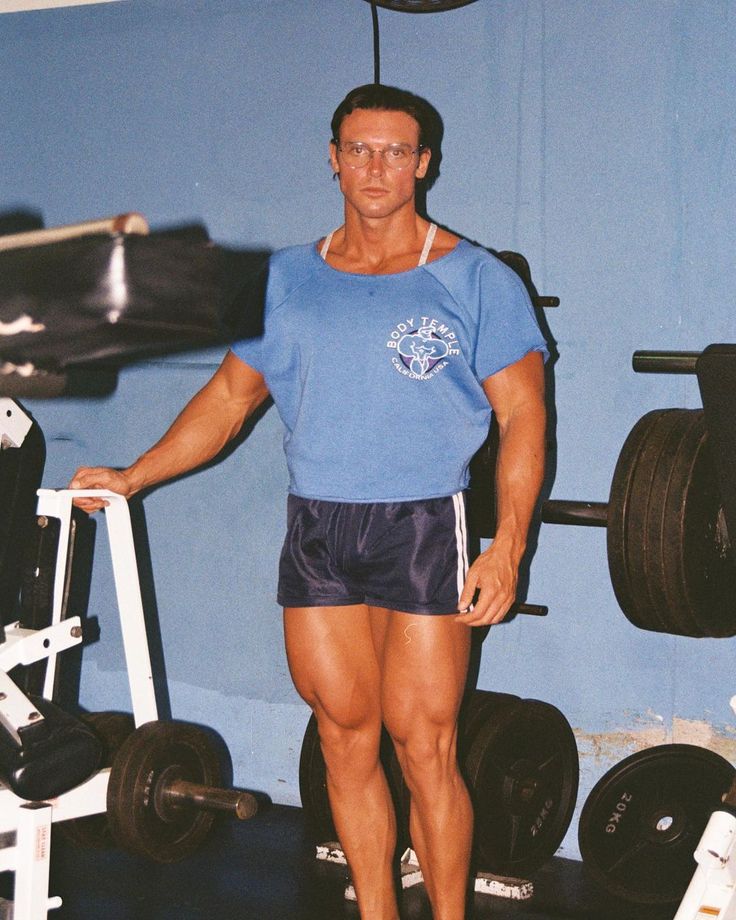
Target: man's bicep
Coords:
[(238, 382), (519, 385)]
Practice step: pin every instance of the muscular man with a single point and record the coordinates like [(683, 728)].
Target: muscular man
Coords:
[(385, 347)]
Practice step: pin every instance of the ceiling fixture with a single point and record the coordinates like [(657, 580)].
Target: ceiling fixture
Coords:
[(421, 6)]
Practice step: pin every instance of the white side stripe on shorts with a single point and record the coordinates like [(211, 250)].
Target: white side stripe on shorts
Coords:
[(461, 537)]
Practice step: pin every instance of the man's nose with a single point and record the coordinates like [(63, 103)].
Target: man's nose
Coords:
[(376, 164)]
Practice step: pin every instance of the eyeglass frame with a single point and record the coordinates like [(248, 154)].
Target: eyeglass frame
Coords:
[(382, 150)]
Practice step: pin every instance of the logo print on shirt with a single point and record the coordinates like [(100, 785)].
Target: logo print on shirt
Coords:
[(422, 345)]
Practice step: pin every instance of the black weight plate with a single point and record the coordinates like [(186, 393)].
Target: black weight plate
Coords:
[(522, 775), (155, 753), (698, 570), (399, 792), (643, 819), (479, 707), (658, 446), (315, 799), (628, 519), (313, 787), (481, 491), (112, 728), (647, 533), (619, 504)]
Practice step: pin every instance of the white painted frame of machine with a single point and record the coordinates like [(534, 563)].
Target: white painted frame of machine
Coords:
[(25, 827)]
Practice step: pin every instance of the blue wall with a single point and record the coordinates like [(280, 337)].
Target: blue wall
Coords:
[(596, 139)]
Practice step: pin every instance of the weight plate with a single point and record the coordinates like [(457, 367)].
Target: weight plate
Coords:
[(479, 707), (155, 754), (315, 799), (399, 792), (619, 508), (644, 542), (522, 775), (112, 728), (696, 569), (674, 619), (481, 492), (659, 443), (643, 819), (313, 787)]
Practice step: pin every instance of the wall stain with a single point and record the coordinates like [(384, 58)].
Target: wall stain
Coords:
[(613, 746)]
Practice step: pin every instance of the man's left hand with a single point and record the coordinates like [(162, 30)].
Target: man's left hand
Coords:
[(493, 578)]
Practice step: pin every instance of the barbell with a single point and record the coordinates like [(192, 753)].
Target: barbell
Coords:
[(669, 555), (164, 789)]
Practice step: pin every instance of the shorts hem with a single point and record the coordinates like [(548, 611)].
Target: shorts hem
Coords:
[(421, 609), (350, 601), (354, 601)]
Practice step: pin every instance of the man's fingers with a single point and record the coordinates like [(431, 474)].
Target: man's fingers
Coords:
[(490, 607), (89, 504), (468, 593)]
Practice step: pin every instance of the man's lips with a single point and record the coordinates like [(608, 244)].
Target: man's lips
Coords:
[(374, 191)]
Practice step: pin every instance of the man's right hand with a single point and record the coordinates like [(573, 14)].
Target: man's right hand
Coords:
[(99, 477)]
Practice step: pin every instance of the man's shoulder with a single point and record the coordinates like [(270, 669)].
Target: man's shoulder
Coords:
[(470, 260), (293, 257), (288, 269)]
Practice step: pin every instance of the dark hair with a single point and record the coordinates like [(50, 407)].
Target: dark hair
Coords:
[(393, 99)]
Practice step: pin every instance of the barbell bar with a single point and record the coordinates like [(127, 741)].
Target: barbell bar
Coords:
[(235, 802), (665, 362)]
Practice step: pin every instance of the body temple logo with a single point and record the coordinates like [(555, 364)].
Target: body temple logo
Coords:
[(422, 346)]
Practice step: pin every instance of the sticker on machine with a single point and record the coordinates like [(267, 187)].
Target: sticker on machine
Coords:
[(422, 347)]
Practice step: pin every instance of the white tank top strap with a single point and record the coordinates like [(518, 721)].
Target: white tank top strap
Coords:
[(429, 239), (426, 249), (326, 244)]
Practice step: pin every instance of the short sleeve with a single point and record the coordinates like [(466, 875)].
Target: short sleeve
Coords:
[(250, 351), (250, 309), (507, 326)]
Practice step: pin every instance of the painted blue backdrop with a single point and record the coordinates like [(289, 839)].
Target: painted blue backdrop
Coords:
[(598, 139)]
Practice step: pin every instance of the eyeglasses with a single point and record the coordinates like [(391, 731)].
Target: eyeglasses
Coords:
[(395, 156)]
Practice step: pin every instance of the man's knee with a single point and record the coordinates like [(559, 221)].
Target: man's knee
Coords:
[(427, 754), (348, 739)]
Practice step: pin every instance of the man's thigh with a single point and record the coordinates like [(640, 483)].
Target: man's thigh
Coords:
[(333, 662), (424, 664)]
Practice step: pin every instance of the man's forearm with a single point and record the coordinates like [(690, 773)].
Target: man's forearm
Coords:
[(519, 476), (205, 425)]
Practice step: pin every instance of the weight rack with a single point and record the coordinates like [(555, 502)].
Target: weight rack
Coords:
[(712, 890)]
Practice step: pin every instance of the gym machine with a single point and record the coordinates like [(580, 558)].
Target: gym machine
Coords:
[(160, 786), (79, 301)]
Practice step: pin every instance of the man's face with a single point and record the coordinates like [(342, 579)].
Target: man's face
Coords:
[(376, 190)]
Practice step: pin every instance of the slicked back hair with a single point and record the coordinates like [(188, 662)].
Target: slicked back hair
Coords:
[(393, 99)]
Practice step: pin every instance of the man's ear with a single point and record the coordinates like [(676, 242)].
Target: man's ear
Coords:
[(424, 157), (333, 157)]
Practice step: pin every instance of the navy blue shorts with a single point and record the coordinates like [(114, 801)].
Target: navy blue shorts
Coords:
[(409, 556)]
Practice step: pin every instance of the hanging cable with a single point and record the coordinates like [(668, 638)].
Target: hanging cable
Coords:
[(376, 44)]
